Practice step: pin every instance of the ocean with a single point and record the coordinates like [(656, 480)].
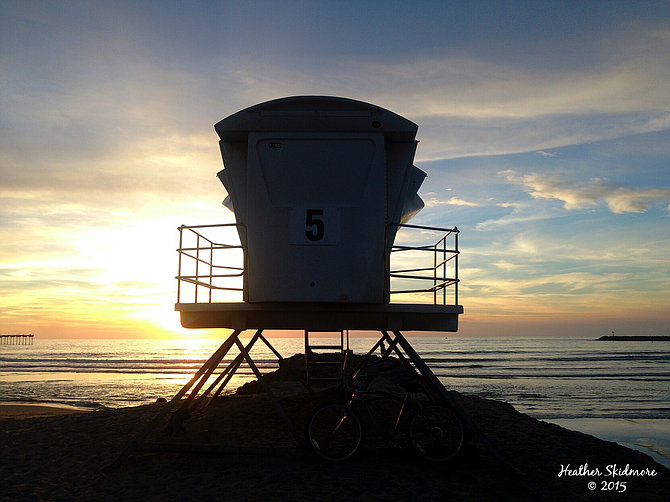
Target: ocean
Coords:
[(547, 378), (574, 381)]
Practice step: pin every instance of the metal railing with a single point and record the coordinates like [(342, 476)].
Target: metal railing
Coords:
[(202, 266), (442, 274), (197, 261)]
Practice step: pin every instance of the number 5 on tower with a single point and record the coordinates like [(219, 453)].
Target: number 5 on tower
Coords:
[(310, 226)]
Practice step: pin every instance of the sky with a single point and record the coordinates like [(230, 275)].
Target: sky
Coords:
[(544, 129)]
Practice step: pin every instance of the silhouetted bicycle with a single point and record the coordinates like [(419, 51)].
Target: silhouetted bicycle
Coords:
[(335, 431)]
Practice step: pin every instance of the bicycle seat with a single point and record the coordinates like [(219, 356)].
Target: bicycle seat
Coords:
[(411, 386)]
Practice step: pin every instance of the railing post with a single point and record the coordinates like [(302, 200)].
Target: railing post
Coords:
[(456, 266), (211, 269), (181, 236), (435, 274), (387, 265), (444, 269), (197, 264)]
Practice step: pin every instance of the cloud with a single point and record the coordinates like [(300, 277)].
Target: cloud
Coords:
[(507, 266), (546, 154), (431, 200), (139, 173), (580, 195), (593, 268), (110, 91), (471, 105), (475, 85), (515, 218), (622, 200), (521, 214), (456, 201)]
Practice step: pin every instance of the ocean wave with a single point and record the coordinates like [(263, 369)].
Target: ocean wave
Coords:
[(548, 358), (113, 366), (538, 374), (99, 361), (89, 405), (640, 415)]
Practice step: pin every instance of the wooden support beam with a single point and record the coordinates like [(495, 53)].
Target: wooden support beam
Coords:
[(234, 366), (437, 386), (213, 361), (288, 367), (230, 370), (269, 392), (365, 359), (203, 379), (393, 346)]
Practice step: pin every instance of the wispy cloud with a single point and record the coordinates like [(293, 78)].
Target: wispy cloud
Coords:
[(490, 88), (431, 200), (457, 201), (521, 214), (509, 204), (580, 195)]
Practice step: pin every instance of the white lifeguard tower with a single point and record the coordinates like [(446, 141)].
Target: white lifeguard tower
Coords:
[(322, 189)]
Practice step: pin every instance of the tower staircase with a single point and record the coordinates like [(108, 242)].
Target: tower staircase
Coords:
[(329, 364)]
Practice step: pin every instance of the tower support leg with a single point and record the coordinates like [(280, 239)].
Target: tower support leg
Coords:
[(434, 388), (231, 369), (268, 391), (208, 367), (437, 386), (191, 403)]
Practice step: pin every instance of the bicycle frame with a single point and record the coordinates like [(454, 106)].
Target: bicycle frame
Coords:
[(433, 431), (356, 398)]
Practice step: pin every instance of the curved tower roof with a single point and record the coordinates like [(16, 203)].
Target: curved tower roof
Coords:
[(317, 113)]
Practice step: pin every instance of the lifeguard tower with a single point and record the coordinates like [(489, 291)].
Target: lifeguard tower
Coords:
[(322, 189)]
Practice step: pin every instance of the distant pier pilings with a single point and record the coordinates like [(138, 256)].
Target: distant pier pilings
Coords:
[(16, 339)]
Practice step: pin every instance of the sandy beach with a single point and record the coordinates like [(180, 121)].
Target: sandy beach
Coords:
[(26, 410), (59, 457)]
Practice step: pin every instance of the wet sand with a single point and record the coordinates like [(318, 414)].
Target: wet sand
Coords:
[(25, 410), (648, 435)]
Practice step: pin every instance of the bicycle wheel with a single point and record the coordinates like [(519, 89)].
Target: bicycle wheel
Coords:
[(333, 433), (435, 433)]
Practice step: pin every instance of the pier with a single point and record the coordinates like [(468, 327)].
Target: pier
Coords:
[(16, 339)]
